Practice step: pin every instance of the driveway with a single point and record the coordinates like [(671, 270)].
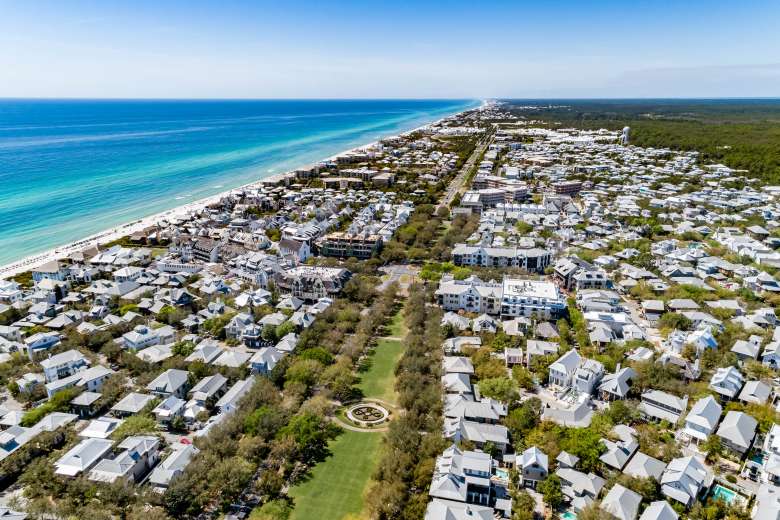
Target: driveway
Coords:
[(653, 334)]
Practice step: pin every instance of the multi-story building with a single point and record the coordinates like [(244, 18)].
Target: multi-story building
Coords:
[(470, 295), (662, 406), (63, 364), (567, 187), (312, 283), (533, 259), (465, 477), (573, 273), (540, 299), (346, 245)]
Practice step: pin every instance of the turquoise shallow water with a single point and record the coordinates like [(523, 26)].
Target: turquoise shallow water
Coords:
[(71, 168)]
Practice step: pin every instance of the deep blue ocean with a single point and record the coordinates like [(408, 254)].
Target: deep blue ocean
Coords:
[(72, 168)]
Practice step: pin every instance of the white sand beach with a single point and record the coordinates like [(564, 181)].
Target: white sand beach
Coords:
[(177, 213)]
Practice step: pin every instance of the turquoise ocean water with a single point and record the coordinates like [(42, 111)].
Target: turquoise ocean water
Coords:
[(71, 168)]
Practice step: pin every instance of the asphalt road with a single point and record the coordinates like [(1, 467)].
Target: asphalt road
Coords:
[(457, 183)]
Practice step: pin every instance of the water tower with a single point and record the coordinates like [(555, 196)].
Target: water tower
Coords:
[(624, 136)]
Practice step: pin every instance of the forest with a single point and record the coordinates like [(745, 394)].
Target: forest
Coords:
[(743, 134)]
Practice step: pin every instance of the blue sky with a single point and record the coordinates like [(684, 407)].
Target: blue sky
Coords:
[(454, 49)]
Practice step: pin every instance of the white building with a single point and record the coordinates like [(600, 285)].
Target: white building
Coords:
[(471, 295), (535, 298), (700, 423), (684, 479)]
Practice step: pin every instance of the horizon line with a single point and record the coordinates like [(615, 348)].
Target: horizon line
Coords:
[(477, 98)]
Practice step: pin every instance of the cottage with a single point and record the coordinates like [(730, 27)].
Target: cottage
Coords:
[(141, 454), (561, 372), (264, 360), (172, 466), (685, 479), (532, 465), (169, 408), (660, 510), (616, 386), (622, 503), (229, 402), (131, 404), (644, 466), (756, 392), (82, 457), (662, 406), (63, 365), (700, 423), (737, 432), (171, 382), (727, 382)]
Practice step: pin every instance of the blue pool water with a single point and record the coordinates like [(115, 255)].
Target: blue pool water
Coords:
[(72, 168), (723, 493)]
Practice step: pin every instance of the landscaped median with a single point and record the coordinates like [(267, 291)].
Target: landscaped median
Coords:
[(336, 487)]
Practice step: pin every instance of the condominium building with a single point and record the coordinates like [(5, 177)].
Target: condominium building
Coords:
[(540, 299)]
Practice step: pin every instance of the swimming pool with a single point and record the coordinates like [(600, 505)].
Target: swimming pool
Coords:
[(569, 515), (502, 473), (723, 493)]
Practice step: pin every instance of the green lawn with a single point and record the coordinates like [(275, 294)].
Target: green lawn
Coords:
[(379, 380), (336, 486), (397, 327)]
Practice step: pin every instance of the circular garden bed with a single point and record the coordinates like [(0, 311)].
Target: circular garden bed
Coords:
[(367, 414)]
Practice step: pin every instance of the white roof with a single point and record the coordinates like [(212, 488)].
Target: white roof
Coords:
[(738, 428), (62, 358), (660, 510), (169, 381), (101, 428), (621, 502), (705, 413), (235, 393), (132, 402), (82, 456), (173, 465), (644, 466)]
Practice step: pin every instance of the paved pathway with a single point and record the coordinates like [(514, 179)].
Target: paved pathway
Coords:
[(347, 426), (403, 274)]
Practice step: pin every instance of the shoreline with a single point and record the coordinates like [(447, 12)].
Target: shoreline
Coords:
[(116, 232)]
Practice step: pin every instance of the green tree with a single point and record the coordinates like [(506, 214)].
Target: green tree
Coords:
[(673, 320), (304, 371), (183, 348), (264, 422), (622, 412), (277, 509), (550, 488), (523, 505), (713, 446), (524, 418), (139, 424), (500, 388), (311, 434), (523, 377)]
